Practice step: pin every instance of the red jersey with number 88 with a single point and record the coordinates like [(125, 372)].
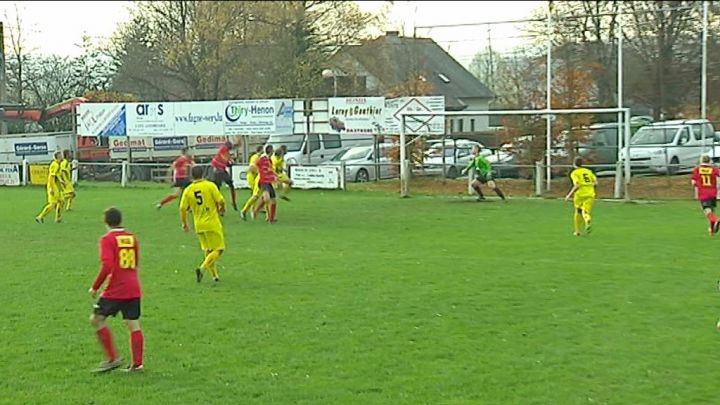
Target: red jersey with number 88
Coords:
[(119, 258), (705, 179)]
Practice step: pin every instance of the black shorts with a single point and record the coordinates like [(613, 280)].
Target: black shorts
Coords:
[(182, 183), (130, 308), (710, 203), (222, 176), (484, 178), (269, 188)]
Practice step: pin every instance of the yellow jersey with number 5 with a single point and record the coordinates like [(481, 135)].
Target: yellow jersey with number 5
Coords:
[(585, 181), (202, 197)]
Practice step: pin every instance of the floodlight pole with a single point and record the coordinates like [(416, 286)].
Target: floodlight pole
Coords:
[(703, 90), (548, 100)]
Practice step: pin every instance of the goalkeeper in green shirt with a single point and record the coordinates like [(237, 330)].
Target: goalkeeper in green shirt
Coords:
[(483, 174)]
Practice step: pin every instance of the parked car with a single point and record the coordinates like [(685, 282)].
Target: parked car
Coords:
[(360, 163), (457, 156), (667, 147)]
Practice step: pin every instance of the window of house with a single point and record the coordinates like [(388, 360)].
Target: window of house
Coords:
[(460, 126), (472, 125)]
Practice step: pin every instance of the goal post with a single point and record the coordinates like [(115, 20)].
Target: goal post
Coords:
[(623, 140)]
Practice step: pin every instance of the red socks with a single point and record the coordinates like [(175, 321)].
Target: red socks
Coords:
[(271, 211), (711, 217), (168, 199), (106, 341), (137, 342)]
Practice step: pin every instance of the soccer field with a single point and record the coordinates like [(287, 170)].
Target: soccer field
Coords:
[(358, 297)]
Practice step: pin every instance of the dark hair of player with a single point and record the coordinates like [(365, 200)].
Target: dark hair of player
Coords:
[(259, 149), (705, 159), (269, 149), (113, 217), (67, 153), (184, 151), (197, 172), (578, 162), (228, 144)]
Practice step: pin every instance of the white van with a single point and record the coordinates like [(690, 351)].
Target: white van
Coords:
[(315, 148), (669, 146)]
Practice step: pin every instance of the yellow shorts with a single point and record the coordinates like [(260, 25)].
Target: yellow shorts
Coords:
[(68, 189), (256, 187), (584, 202), (251, 179), (55, 196), (283, 178), (211, 240)]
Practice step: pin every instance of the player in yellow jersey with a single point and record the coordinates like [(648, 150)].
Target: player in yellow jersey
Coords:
[(54, 191), (66, 170), (207, 204), (252, 180), (278, 164), (583, 193)]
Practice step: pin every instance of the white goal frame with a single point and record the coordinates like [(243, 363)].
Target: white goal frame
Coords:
[(623, 119)]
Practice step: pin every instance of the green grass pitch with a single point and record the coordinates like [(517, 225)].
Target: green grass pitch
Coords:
[(362, 298)]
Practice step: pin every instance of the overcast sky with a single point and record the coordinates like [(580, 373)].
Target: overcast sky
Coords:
[(50, 33)]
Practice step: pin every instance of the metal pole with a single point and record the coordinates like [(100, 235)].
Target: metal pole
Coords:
[(3, 83), (403, 167), (334, 84), (621, 126), (627, 153), (548, 98), (703, 90)]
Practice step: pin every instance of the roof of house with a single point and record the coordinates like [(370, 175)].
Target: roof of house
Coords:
[(393, 59)]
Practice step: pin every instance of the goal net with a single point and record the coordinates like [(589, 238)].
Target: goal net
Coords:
[(531, 151)]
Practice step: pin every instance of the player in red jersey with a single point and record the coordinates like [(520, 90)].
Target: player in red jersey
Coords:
[(119, 264), (181, 179), (704, 178), (220, 163), (266, 178)]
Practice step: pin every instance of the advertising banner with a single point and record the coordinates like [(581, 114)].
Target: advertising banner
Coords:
[(101, 119), (174, 143), (258, 117), (9, 175), (198, 118), (31, 148), (306, 177), (39, 174), (150, 119), (415, 125), (356, 115)]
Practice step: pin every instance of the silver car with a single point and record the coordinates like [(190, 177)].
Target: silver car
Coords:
[(360, 163)]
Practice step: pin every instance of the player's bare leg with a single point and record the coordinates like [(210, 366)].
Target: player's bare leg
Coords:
[(45, 211), (495, 188), (106, 341), (59, 208), (713, 219), (170, 197), (137, 345), (577, 221), (478, 190), (69, 201)]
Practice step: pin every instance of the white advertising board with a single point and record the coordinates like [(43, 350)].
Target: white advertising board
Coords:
[(239, 176), (421, 125), (33, 148), (101, 119), (198, 118), (306, 177), (150, 119), (258, 117), (9, 175), (356, 115)]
